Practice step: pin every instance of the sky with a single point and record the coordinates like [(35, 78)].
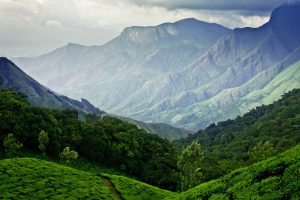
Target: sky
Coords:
[(33, 27)]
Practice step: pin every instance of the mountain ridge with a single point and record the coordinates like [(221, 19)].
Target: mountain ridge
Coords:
[(153, 71)]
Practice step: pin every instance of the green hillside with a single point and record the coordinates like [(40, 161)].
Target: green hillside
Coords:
[(32, 178), (109, 141), (228, 145), (274, 178)]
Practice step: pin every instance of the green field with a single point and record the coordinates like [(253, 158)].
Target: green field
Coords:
[(32, 178)]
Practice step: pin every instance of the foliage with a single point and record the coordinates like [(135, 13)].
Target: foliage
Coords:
[(43, 140), (229, 145), (109, 141), (12, 146), (189, 164), (275, 178), (262, 151), (68, 155), (30, 178)]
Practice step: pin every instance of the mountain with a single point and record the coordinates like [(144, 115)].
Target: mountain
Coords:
[(13, 77), (125, 64), (177, 73), (229, 144), (274, 178), (162, 130)]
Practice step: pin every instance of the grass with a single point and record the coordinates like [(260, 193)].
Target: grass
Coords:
[(33, 178), (274, 178)]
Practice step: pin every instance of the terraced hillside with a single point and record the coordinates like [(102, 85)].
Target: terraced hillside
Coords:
[(32, 178)]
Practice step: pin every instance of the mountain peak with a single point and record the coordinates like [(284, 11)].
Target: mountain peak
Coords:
[(285, 22), (183, 27)]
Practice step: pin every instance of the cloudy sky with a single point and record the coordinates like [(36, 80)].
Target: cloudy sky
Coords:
[(31, 27)]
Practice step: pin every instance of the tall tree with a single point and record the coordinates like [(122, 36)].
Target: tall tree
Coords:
[(189, 164), (43, 140), (12, 146)]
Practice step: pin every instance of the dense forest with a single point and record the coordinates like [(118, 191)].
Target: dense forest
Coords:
[(108, 141), (260, 133)]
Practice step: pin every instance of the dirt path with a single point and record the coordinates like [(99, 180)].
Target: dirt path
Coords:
[(111, 187)]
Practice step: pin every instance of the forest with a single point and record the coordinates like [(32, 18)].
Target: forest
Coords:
[(114, 144)]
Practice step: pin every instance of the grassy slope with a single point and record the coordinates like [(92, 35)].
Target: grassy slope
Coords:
[(285, 81), (274, 178), (33, 178)]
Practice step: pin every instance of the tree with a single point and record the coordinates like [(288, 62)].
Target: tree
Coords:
[(262, 151), (189, 163), (12, 146), (68, 155), (43, 139)]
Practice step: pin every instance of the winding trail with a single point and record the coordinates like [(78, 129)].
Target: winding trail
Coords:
[(111, 187)]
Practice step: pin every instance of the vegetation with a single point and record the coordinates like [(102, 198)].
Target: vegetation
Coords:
[(189, 163), (109, 141), (213, 152), (44, 140), (31, 178), (274, 178), (68, 155), (12, 146), (260, 133)]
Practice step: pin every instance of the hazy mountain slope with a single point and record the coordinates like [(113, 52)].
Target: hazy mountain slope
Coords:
[(163, 130), (264, 88), (152, 73), (274, 178), (13, 77), (125, 64), (231, 62)]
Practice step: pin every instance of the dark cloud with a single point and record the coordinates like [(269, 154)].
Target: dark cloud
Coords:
[(248, 6)]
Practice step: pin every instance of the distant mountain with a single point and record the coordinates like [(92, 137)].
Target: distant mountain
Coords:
[(165, 131), (12, 77), (188, 73)]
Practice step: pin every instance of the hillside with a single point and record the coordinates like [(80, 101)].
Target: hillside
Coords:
[(162, 130), (228, 144), (33, 178), (274, 178), (109, 141), (12, 77), (177, 73)]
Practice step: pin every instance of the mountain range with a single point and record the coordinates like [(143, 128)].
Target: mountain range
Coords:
[(12, 77), (188, 73)]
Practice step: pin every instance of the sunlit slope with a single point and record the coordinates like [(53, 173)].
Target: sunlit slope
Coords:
[(32, 178), (274, 178)]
